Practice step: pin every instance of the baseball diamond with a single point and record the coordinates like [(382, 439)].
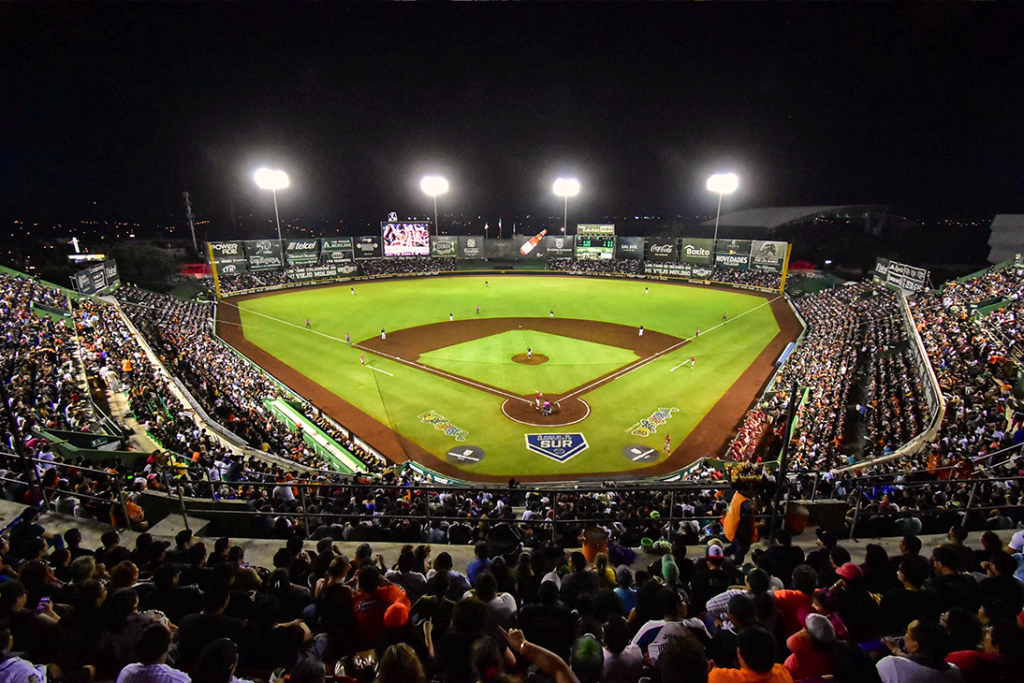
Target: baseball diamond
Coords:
[(590, 373)]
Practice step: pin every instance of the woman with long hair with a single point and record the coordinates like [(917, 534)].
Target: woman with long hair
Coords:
[(400, 665)]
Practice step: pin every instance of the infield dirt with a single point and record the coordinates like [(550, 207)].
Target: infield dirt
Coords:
[(709, 438)]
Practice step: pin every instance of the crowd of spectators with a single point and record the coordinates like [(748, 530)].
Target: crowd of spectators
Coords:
[(854, 334), (751, 278), (407, 265), (252, 279), (196, 610)]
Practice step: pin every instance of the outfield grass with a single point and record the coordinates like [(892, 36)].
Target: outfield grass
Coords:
[(571, 362), (398, 399)]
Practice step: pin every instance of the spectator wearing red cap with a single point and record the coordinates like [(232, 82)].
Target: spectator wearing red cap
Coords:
[(855, 605)]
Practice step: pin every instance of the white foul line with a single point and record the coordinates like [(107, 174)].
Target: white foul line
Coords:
[(680, 365), (418, 366), (639, 364), (379, 370)]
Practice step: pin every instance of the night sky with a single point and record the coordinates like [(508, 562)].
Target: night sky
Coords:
[(110, 111)]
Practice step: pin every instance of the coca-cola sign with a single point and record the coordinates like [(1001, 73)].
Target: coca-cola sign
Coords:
[(661, 249)]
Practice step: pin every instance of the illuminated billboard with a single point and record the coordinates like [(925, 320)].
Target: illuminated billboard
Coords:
[(406, 239)]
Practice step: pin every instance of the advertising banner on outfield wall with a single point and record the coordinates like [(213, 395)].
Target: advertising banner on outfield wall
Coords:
[(595, 228), (629, 248), (302, 252), (659, 249), (368, 247), (471, 246), (687, 270), (444, 245), (733, 254), (555, 246), (264, 254), (503, 250), (227, 269), (324, 272), (336, 249), (228, 252), (767, 255), (110, 274), (696, 250)]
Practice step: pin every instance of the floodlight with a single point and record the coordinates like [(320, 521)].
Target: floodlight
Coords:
[(723, 183), (271, 180), (567, 187)]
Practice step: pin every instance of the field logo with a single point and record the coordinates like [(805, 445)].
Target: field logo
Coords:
[(558, 447), (650, 425), (442, 424)]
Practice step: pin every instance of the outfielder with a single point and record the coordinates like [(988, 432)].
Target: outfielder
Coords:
[(383, 334), (352, 291), (668, 443), (451, 318), (552, 315), (647, 290), (478, 309), (641, 331), (362, 360)]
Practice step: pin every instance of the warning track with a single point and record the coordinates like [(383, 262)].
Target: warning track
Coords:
[(709, 437)]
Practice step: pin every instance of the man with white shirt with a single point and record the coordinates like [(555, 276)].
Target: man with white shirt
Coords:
[(654, 635), (152, 665)]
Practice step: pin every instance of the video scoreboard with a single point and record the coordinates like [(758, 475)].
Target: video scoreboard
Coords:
[(596, 247)]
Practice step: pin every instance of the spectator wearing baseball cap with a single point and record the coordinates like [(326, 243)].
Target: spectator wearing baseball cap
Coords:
[(713, 578), (812, 648), (855, 605)]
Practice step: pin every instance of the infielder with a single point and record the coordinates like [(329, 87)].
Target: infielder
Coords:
[(698, 332), (668, 443), (529, 354), (693, 361), (552, 315), (383, 334), (641, 331), (478, 309), (362, 360), (451, 318)]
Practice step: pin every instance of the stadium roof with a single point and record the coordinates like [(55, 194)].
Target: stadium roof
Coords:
[(776, 216), (1007, 237)]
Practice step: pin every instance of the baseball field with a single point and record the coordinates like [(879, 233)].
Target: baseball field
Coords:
[(549, 379)]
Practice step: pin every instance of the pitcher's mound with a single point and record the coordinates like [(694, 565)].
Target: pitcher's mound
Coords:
[(537, 359)]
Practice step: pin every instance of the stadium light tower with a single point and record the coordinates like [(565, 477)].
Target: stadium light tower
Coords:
[(566, 187), (434, 185), (273, 181), (722, 183)]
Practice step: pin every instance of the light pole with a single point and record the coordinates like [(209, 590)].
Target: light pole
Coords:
[(722, 183), (434, 185), (273, 181), (566, 187)]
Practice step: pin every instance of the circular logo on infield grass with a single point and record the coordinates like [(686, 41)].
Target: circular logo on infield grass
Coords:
[(640, 453), (465, 455)]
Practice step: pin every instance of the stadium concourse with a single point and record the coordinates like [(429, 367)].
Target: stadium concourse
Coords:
[(522, 601)]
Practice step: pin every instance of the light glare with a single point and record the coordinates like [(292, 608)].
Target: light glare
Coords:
[(723, 183), (567, 187), (271, 180), (434, 185)]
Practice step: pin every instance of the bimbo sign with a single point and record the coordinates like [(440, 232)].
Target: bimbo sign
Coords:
[(558, 447)]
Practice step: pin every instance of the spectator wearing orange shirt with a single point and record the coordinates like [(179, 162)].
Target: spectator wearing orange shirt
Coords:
[(371, 603)]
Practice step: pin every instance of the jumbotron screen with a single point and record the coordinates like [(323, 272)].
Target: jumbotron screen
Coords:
[(596, 247), (406, 239)]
